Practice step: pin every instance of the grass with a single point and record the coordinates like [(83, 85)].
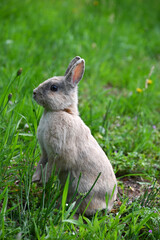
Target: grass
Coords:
[(119, 41)]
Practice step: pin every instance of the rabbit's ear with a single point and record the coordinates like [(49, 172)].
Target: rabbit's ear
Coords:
[(76, 72), (74, 60)]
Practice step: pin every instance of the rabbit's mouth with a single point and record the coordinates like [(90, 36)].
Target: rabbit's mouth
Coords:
[(35, 97), (38, 99)]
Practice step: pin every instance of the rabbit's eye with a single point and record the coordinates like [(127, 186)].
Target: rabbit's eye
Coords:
[(54, 88)]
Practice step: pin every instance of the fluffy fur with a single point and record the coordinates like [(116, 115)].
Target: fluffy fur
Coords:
[(67, 142)]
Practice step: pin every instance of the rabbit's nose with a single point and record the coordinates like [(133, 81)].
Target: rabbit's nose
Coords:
[(34, 93)]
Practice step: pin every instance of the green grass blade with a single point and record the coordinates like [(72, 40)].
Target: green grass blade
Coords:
[(64, 197)]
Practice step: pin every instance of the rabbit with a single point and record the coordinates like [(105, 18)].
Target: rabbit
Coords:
[(67, 143)]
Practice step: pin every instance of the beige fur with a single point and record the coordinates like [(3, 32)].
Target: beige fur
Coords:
[(67, 142)]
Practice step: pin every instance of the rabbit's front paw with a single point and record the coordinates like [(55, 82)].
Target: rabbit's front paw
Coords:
[(36, 177)]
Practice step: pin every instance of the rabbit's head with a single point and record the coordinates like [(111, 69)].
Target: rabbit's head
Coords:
[(59, 93)]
